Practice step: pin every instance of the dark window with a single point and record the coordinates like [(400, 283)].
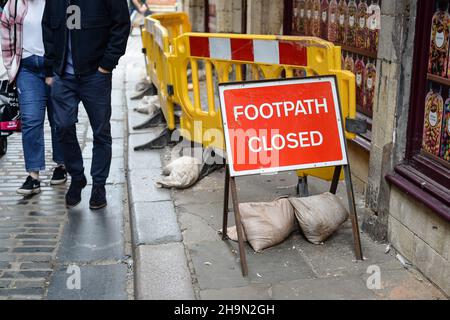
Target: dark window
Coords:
[(355, 26), (426, 172)]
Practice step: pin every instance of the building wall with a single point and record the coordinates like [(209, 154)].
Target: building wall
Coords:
[(196, 11), (416, 232), (265, 17), (359, 162), (422, 237), (229, 16), (391, 108)]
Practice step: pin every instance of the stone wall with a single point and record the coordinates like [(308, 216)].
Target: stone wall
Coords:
[(391, 107), (359, 162), (229, 16), (265, 17), (422, 237), (416, 232), (196, 11)]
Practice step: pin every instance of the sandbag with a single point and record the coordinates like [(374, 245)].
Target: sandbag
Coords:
[(319, 216), (181, 173), (266, 224), (148, 105)]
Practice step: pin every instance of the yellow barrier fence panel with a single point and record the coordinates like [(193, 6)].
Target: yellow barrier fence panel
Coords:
[(231, 57)]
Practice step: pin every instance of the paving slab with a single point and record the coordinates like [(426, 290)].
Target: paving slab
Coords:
[(405, 285), (209, 190), (215, 266), (117, 129), (94, 235), (336, 256), (143, 188), (106, 282), (209, 213), (141, 160), (196, 230), (155, 223), (162, 273), (252, 292), (323, 289), (276, 264)]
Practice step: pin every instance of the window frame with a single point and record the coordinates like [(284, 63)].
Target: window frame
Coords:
[(421, 176)]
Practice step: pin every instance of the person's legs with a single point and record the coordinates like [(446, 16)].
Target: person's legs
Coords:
[(32, 101), (59, 173), (58, 155), (65, 112), (65, 103), (95, 93)]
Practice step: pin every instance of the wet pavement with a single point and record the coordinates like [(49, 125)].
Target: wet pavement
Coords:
[(49, 252)]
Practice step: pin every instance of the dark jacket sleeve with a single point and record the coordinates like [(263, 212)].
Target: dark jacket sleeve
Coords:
[(48, 40), (120, 31)]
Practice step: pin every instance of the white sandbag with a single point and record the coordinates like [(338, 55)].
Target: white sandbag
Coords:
[(266, 224), (232, 234), (319, 216), (181, 174), (148, 105)]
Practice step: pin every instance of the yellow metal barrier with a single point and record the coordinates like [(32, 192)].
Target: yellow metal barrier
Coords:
[(146, 45), (229, 57), (161, 30)]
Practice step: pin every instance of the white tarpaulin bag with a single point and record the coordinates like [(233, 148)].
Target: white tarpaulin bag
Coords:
[(266, 224), (148, 105), (181, 173), (319, 216)]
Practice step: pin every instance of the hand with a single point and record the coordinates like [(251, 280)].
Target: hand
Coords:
[(49, 81), (143, 9), (100, 69)]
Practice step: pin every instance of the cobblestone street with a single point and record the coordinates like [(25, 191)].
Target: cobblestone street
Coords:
[(40, 239)]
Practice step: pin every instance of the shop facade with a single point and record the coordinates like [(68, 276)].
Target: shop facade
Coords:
[(399, 52)]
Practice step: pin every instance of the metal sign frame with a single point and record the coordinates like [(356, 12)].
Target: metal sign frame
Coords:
[(230, 176)]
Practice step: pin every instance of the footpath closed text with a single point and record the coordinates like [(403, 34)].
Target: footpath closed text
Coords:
[(283, 110)]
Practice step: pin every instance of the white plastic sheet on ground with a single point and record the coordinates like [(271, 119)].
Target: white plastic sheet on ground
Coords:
[(149, 105), (182, 173)]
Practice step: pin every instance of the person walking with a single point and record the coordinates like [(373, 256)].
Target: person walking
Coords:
[(79, 61), (23, 57), (138, 5)]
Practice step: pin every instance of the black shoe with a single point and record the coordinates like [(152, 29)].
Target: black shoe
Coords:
[(73, 196), (59, 176), (98, 198), (31, 186)]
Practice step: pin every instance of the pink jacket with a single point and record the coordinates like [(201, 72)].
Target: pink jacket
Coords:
[(12, 27)]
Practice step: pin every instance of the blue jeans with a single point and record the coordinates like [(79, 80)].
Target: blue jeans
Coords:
[(34, 99), (95, 93)]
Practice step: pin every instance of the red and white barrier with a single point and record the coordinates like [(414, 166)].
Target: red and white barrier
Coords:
[(250, 50)]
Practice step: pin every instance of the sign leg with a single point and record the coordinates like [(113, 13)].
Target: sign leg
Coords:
[(335, 182), (353, 214), (226, 200), (239, 227)]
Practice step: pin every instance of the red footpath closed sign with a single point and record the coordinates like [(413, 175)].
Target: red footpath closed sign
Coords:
[(282, 125)]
